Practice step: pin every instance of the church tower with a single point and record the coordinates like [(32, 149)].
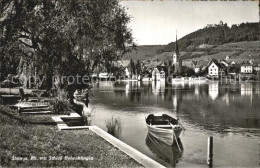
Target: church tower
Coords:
[(259, 25), (177, 62)]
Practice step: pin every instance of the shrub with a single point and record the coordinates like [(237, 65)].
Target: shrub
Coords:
[(58, 106)]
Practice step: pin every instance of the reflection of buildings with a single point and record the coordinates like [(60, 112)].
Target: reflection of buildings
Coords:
[(197, 91), (246, 89), (127, 87), (158, 87), (257, 89), (213, 90), (132, 86), (226, 98), (178, 84), (175, 103)]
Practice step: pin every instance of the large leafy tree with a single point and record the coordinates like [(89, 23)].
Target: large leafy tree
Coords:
[(63, 37)]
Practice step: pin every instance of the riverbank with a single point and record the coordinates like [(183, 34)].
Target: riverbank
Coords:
[(77, 148)]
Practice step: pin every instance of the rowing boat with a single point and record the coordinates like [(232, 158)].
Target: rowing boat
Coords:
[(164, 127)]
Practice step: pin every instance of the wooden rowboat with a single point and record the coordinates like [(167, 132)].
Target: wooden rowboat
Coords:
[(164, 127), (169, 153)]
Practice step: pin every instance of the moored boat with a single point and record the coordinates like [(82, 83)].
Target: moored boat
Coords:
[(164, 127), (169, 153)]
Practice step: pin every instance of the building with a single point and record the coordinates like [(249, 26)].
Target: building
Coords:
[(216, 69), (227, 58), (177, 61), (156, 74), (224, 63), (197, 69), (257, 67), (246, 68), (233, 63), (127, 73)]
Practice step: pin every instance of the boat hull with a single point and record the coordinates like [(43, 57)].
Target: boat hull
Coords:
[(164, 128), (165, 135), (168, 153)]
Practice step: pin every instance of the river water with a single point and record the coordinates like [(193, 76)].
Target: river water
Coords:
[(228, 112)]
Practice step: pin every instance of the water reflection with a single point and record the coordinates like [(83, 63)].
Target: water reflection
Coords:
[(113, 126), (168, 153), (213, 90), (246, 89), (158, 87), (205, 104), (230, 112), (179, 84)]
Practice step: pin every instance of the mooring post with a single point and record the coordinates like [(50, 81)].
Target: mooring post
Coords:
[(210, 151)]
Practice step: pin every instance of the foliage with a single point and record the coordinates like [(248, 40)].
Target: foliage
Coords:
[(187, 71), (132, 67), (63, 37), (138, 67), (58, 106), (216, 35)]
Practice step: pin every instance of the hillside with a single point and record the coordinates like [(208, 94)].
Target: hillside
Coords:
[(217, 35), (239, 52), (240, 42)]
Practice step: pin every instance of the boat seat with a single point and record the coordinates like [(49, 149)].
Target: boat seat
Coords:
[(164, 126), (158, 122)]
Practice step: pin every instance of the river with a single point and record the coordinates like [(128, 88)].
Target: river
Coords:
[(228, 112)]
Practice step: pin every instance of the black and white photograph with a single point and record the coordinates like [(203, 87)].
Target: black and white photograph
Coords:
[(130, 83)]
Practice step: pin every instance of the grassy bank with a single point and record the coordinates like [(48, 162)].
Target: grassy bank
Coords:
[(24, 141)]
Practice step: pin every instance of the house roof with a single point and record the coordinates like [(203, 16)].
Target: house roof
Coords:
[(124, 63), (162, 68), (220, 65)]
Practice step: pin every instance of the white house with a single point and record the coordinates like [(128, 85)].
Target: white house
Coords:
[(227, 58), (233, 63), (162, 75), (246, 69), (156, 74), (196, 69), (127, 73), (257, 67), (215, 69)]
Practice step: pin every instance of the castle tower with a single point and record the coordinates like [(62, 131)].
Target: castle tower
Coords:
[(177, 62)]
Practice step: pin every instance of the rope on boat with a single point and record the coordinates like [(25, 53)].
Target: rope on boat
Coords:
[(175, 137)]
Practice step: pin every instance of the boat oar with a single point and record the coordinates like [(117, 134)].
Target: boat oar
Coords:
[(175, 137)]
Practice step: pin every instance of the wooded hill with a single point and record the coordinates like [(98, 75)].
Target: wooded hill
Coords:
[(216, 35), (239, 42)]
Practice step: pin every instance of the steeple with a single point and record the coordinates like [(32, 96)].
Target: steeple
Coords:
[(259, 24), (176, 52), (176, 45), (177, 61)]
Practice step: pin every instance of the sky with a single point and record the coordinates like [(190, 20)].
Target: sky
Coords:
[(156, 22)]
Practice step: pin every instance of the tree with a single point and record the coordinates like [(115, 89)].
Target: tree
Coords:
[(195, 63), (138, 67), (64, 37), (132, 67)]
